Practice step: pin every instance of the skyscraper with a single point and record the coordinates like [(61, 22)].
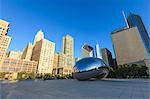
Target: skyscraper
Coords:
[(87, 51), (129, 44), (43, 53), (60, 65), (27, 53), (107, 57), (98, 51), (4, 39), (135, 20), (12, 63), (38, 37), (68, 49)]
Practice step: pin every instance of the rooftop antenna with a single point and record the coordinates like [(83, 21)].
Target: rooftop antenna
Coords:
[(125, 19)]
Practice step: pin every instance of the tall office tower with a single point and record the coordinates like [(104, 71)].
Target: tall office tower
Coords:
[(107, 57), (60, 64), (4, 40), (43, 52), (3, 27), (55, 63), (27, 53), (68, 49), (98, 51), (135, 20), (87, 51), (38, 36), (14, 54), (129, 44)]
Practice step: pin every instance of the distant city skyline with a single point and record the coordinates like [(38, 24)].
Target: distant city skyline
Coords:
[(86, 21)]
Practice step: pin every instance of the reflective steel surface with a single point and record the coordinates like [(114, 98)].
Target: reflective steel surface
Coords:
[(89, 63), (89, 68)]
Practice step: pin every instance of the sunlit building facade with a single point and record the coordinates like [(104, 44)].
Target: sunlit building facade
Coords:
[(131, 44), (4, 39), (4, 26), (135, 20), (87, 51), (68, 49), (14, 54), (60, 66), (38, 36), (27, 53), (43, 53), (16, 65)]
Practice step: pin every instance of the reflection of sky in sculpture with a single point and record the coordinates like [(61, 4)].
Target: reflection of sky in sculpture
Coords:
[(89, 63)]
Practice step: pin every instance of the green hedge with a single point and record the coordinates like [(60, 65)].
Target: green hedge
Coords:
[(129, 71)]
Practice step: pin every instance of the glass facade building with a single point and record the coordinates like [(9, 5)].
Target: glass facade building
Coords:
[(132, 43), (135, 20)]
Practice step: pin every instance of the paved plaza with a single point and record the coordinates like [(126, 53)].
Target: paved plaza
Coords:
[(73, 89)]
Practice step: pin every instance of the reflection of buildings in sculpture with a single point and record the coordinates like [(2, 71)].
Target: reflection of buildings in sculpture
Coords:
[(17, 65), (131, 45), (4, 39), (90, 68), (87, 51), (77, 59), (98, 51), (68, 49), (14, 54), (27, 53), (60, 66), (107, 57)]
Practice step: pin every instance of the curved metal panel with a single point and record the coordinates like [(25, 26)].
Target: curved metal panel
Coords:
[(89, 63), (90, 67)]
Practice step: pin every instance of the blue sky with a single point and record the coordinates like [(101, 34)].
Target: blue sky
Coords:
[(88, 21)]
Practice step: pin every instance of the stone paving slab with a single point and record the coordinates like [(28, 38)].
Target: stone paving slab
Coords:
[(73, 89)]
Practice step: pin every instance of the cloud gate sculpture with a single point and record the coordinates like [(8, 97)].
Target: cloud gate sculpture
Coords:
[(90, 68)]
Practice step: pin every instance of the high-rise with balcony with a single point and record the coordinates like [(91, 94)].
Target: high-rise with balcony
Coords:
[(43, 53)]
